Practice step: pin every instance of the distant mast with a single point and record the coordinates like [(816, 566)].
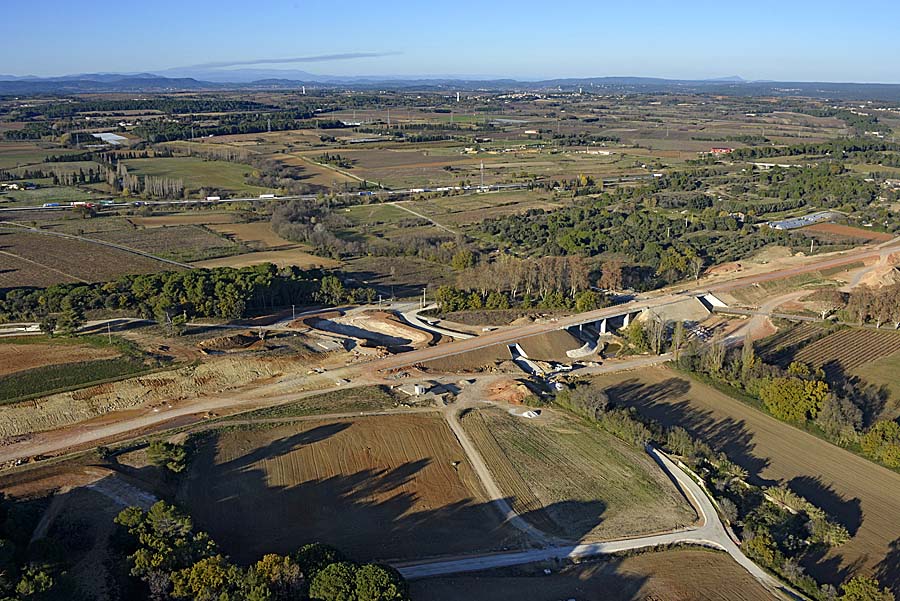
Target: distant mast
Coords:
[(457, 96)]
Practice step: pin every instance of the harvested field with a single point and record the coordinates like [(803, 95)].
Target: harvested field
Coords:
[(848, 349), (388, 487), (19, 357), (646, 577), (257, 234), (31, 259), (835, 231), (195, 218), (575, 480), (281, 258), (179, 242), (862, 496)]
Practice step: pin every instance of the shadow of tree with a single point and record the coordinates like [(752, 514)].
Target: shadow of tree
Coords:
[(888, 571), (660, 402), (378, 513), (596, 581), (848, 512)]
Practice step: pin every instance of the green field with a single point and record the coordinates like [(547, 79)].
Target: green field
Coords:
[(58, 378), (42, 195), (884, 372), (198, 173), (573, 479)]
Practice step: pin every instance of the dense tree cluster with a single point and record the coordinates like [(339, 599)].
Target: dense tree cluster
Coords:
[(221, 292), (672, 248), (175, 562), (823, 185), (547, 283)]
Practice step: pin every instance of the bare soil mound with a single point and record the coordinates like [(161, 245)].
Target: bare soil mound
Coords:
[(551, 346)]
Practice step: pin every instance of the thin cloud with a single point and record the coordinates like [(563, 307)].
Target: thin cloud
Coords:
[(321, 58)]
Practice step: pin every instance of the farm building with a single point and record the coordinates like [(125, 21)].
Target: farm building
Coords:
[(798, 222)]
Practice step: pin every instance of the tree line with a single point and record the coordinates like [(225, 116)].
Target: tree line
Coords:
[(220, 292), (511, 282)]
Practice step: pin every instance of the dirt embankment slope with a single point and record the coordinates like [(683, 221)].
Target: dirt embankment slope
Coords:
[(165, 387)]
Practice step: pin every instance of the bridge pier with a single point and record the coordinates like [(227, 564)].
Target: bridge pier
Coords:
[(603, 326)]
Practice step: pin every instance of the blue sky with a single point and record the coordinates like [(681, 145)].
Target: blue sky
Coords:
[(799, 40)]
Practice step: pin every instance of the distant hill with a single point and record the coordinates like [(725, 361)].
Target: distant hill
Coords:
[(283, 79)]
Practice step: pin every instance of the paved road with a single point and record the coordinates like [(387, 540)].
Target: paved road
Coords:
[(710, 533)]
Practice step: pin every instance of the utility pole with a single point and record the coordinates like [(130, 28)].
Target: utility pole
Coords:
[(293, 313), (108, 333), (423, 296), (811, 242), (482, 176), (269, 124)]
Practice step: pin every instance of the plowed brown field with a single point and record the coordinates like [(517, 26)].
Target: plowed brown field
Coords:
[(387, 487), (679, 575), (849, 349), (863, 496), (19, 357)]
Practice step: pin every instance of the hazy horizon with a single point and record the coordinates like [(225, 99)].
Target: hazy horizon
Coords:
[(801, 42)]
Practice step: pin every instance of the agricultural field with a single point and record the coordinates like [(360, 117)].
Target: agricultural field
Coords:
[(16, 198), (388, 487), (848, 349), (16, 357), (861, 495), (199, 174), (178, 242), (883, 372), (780, 348), (281, 258), (19, 153), (649, 576), (31, 259), (574, 480), (192, 218), (838, 232), (256, 234)]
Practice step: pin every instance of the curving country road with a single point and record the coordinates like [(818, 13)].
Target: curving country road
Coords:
[(710, 533)]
